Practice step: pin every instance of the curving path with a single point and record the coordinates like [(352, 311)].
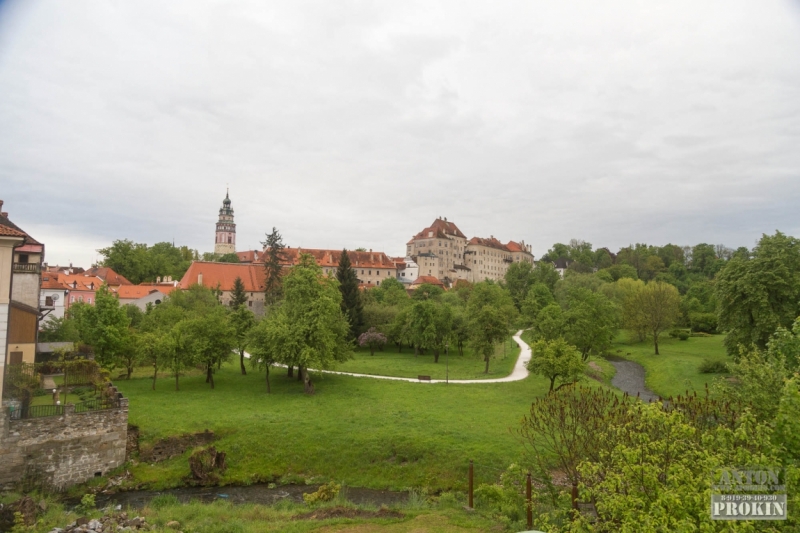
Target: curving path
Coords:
[(519, 373)]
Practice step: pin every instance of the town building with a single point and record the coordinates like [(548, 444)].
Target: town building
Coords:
[(407, 269), (20, 265), (221, 277), (144, 294), (226, 229), (109, 277), (371, 267)]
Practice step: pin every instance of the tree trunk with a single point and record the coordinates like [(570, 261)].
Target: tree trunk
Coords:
[(241, 362), (268, 388), (210, 375), (219, 363), (372, 350), (155, 375), (435, 355), (399, 347), (308, 387), (655, 341), (461, 348), (487, 364), (300, 372), (176, 381), (130, 371), (552, 382), (291, 371), (416, 350)]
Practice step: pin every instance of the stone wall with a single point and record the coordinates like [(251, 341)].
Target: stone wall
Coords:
[(60, 451)]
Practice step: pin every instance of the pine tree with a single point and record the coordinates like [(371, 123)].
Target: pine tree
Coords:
[(238, 295), (352, 306), (273, 247)]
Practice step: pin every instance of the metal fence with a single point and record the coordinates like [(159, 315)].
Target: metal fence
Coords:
[(95, 405), (17, 412), (28, 376)]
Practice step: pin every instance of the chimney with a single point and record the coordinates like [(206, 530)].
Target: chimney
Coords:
[(200, 278), (158, 279)]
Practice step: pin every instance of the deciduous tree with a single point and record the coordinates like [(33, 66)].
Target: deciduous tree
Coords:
[(758, 295), (556, 360)]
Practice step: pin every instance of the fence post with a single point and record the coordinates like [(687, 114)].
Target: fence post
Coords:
[(528, 502), (471, 473)]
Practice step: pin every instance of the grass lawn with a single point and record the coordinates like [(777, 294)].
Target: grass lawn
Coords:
[(360, 431), (285, 517), (675, 369), (390, 362)]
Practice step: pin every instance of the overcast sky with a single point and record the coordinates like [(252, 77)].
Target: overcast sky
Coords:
[(351, 124)]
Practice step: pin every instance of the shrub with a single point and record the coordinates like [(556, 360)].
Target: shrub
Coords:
[(87, 504), (713, 366), (704, 322), (683, 336), (372, 338), (675, 333), (324, 493)]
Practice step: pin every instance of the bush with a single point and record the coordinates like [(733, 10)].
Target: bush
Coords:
[(324, 493), (703, 322), (713, 366), (683, 336), (675, 333)]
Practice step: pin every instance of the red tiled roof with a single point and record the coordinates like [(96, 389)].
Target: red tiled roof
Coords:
[(513, 247), (224, 274), (51, 281), (80, 282), (491, 242), (250, 256), (427, 279), (330, 258), (9, 229), (108, 275), (134, 292), (6, 231), (441, 228)]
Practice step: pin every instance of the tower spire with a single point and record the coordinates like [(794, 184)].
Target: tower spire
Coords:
[(226, 229)]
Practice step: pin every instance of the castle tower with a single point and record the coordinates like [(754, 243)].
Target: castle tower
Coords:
[(226, 229)]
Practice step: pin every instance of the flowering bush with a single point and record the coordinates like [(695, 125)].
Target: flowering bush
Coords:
[(372, 338)]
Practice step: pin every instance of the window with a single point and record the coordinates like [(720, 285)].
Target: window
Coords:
[(377, 282), (72, 299), (250, 304), (89, 300), (362, 272), (23, 258)]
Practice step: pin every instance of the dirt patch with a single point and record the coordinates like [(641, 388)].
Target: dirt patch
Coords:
[(175, 446), (24, 505), (206, 465), (594, 366), (345, 512)]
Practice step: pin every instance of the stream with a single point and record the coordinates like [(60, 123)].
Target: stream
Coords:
[(630, 378), (259, 493)]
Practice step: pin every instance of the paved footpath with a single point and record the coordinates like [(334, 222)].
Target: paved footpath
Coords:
[(519, 373)]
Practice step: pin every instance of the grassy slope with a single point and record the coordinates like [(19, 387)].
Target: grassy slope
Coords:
[(390, 362), (675, 369), (223, 517), (365, 432)]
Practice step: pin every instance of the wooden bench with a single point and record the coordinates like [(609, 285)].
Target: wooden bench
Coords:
[(424, 378)]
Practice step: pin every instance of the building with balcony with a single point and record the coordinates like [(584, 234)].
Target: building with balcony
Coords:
[(20, 266)]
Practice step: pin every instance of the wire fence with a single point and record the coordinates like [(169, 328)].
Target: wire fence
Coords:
[(20, 412)]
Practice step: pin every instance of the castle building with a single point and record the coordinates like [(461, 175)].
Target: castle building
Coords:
[(226, 229), (442, 251)]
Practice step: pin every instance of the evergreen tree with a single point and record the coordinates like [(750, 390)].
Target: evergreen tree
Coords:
[(238, 295), (274, 247), (352, 306)]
